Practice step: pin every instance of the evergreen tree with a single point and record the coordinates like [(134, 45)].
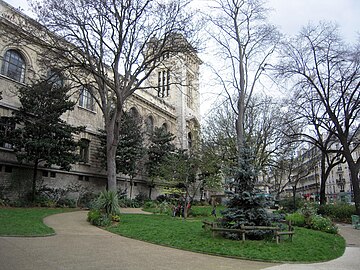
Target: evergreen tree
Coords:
[(130, 149), (42, 137), (161, 145), (244, 207)]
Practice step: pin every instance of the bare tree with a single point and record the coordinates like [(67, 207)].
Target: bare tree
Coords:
[(110, 46), (245, 41), (326, 78)]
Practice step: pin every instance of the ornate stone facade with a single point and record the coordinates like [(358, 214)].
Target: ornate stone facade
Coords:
[(170, 103)]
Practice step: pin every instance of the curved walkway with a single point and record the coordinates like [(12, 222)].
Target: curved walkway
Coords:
[(349, 261), (78, 245)]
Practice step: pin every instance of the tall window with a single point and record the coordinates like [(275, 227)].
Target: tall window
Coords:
[(13, 65), (149, 123), (190, 140), (85, 150), (86, 100), (6, 126), (163, 83), (165, 127)]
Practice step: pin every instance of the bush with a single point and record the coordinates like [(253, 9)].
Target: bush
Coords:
[(97, 218), (88, 199), (340, 212), (323, 224), (308, 212), (108, 202), (288, 204), (297, 219), (66, 203)]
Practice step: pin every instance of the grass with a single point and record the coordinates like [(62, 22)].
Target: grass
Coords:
[(307, 245), (26, 221)]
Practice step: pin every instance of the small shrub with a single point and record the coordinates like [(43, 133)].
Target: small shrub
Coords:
[(150, 204), (87, 200), (70, 203), (323, 224), (297, 219), (308, 211), (340, 212), (288, 204), (108, 202), (115, 218), (97, 218)]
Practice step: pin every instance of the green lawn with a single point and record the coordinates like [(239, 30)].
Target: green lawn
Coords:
[(26, 221), (307, 245)]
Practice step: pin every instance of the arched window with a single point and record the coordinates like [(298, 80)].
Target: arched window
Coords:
[(165, 127), (190, 140), (86, 100), (13, 66), (134, 112), (84, 150), (149, 124)]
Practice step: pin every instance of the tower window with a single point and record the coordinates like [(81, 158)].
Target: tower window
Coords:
[(163, 88), (190, 140)]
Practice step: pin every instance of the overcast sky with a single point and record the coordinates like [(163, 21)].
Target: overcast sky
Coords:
[(290, 15)]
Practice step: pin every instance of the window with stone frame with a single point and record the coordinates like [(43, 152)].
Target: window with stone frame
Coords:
[(86, 99), (149, 124), (13, 65), (163, 89), (84, 150), (190, 140), (7, 125)]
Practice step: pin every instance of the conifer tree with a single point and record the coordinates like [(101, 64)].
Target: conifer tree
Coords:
[(161, 144), (42, 137), (244, 207)]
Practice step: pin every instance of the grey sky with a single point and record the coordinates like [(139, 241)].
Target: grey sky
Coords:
[(291, 15)]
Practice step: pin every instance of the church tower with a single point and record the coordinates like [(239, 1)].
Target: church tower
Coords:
[(176, 82)]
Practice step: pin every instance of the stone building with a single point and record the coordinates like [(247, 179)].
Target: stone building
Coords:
[(169, 104)]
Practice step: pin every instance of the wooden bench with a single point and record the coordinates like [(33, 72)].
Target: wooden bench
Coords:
[(246, 229), (208, 224), (290, 231)]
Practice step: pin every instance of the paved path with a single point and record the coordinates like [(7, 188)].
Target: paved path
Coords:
[(78, 245), (349, 261)]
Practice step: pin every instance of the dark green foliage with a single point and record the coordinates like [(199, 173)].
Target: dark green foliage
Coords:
[(43, 137), (130, 148), (307, 217), (98, 218), (244, 207), (340, 212), (287, 204), (161, 145), (108, 203), (297, 219)]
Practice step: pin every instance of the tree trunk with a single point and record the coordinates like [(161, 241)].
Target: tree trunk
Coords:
[(33, 191), (323, 178), (294, 198), (354, 172), (111, 164), (131, 187)]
